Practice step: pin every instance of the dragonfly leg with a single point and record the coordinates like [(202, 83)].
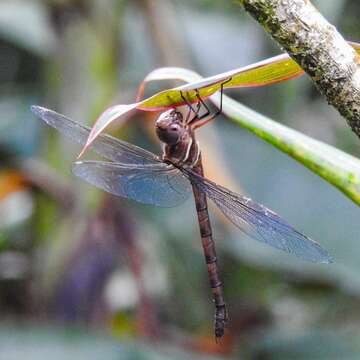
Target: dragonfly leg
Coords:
[(200, 102), (191, 109), (196, 114), (218, 112), (198, 107)]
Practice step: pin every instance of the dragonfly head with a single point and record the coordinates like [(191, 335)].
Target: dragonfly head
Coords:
[(169, 127)]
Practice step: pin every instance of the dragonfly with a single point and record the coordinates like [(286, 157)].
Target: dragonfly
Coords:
[(167, 181)]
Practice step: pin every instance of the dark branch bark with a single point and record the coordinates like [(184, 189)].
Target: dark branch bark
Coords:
[(317, 47)]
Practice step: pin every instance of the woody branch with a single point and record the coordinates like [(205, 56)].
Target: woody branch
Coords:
[(300, 29)]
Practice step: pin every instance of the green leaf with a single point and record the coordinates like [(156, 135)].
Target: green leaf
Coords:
[(278, 68), (107, 117), (266, 72), (335, 166), (270, 71)]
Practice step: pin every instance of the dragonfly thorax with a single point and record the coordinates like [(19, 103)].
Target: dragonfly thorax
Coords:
[(180, 148)]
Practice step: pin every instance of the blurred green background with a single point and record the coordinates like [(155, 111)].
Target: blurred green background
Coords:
[(87, 275)]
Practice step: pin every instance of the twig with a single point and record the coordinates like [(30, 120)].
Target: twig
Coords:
[(163, 25), (317, 47)]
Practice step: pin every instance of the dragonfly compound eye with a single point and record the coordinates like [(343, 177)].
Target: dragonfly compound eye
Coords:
[(168, 128), (169, 133)]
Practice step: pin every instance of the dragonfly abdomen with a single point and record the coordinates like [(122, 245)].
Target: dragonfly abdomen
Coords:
[(208, 245)]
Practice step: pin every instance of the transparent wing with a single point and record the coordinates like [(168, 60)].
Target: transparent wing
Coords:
[(160, 184), (105, 145), (259, 222)]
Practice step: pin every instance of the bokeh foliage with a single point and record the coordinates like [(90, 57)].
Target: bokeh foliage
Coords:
[(114, 274)]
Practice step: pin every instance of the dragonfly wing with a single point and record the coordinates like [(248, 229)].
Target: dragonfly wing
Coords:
[(105, 145), (260, 222), (161, 184)]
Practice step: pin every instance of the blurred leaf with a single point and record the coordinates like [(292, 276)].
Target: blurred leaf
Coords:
[(10, 181), (335, 166), (316, 345), (266, 72), (18, 343), (26, 24), (19, 133)]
